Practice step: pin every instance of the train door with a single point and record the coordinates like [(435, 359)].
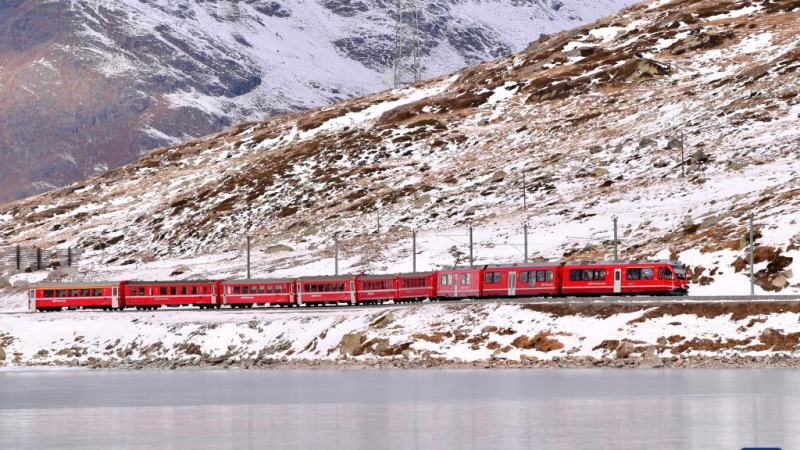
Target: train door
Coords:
[(352, 293), (299, 294), (456, 280), (32, 300), (617, 281), (512, 283), (115, 297)]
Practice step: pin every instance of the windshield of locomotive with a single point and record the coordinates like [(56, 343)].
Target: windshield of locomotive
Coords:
[(680, 272)]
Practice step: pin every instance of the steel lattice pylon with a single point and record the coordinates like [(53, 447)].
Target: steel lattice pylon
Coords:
[(406, 40)]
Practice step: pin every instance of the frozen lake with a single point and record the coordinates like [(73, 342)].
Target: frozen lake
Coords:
[(434, 409)]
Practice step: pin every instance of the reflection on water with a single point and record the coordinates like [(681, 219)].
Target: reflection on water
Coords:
[(400, 409)]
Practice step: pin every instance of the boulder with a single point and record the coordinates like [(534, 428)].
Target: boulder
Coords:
[(2, 354), (384, 321), (647, 142), (599, 172), (280, 248), (674, 144), (780, 281), (351, 342), (4, 283), (699, 157), (595, 149), (624, 350), (180, 270), (498, 176), (422, 200), (660, 164), (650, 359)]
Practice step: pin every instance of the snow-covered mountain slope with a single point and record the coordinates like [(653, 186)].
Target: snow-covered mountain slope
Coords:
[(591, 116), (90, 85)]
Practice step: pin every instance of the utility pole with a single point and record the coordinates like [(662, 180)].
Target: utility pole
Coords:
[(248, 257), (683, 158), (400, 40), (524, 192), (414, 250), (752, 274), (378, 214), (471, 259), (69, 256), (336, 255), (616, 253), (525, 227)]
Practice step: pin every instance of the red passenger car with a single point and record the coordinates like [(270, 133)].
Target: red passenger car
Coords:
[(55, 296), (517, 280), (155, 294), (459, 282), (376, 289), (624, 277), (246, 293), (317, 291), (413, 287)]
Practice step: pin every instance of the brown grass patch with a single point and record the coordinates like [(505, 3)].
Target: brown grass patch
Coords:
[(541, 342)]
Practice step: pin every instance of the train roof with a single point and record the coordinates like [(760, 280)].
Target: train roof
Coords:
[(627, 261), (258, 280), (378, 276), (90, 284), (328, 278), (523, 265), (169, 283), (415, 274), (482, 266)]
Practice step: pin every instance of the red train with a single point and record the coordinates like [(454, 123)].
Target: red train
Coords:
[(501, 281)]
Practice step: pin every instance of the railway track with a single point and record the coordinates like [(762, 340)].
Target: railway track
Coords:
[(636, 300)]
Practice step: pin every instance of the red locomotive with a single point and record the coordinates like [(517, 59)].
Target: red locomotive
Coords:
[(498, 281)]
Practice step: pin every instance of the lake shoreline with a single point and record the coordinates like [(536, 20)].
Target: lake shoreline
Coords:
[(777, 361)]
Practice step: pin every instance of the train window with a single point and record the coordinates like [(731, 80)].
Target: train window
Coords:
[(48, 293), (446, 280), (61, 293), (341, 287), (85, 293), (647, 274), (549, 275), (237, 290), (600, 274), (184, 291), (173, 290), (245, 289), (267, 289), (667, 274), (574, 275), (617, 274), (492, 277), (523, 277), (141, 291), (133, 291), (633, 274), (660, 273), (466, 279), (327, 287), (73, 293), (261, 289), (540, 276), (306, 288), (194, 290)]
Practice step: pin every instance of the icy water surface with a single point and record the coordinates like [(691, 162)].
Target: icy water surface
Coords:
[(436, 409)]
